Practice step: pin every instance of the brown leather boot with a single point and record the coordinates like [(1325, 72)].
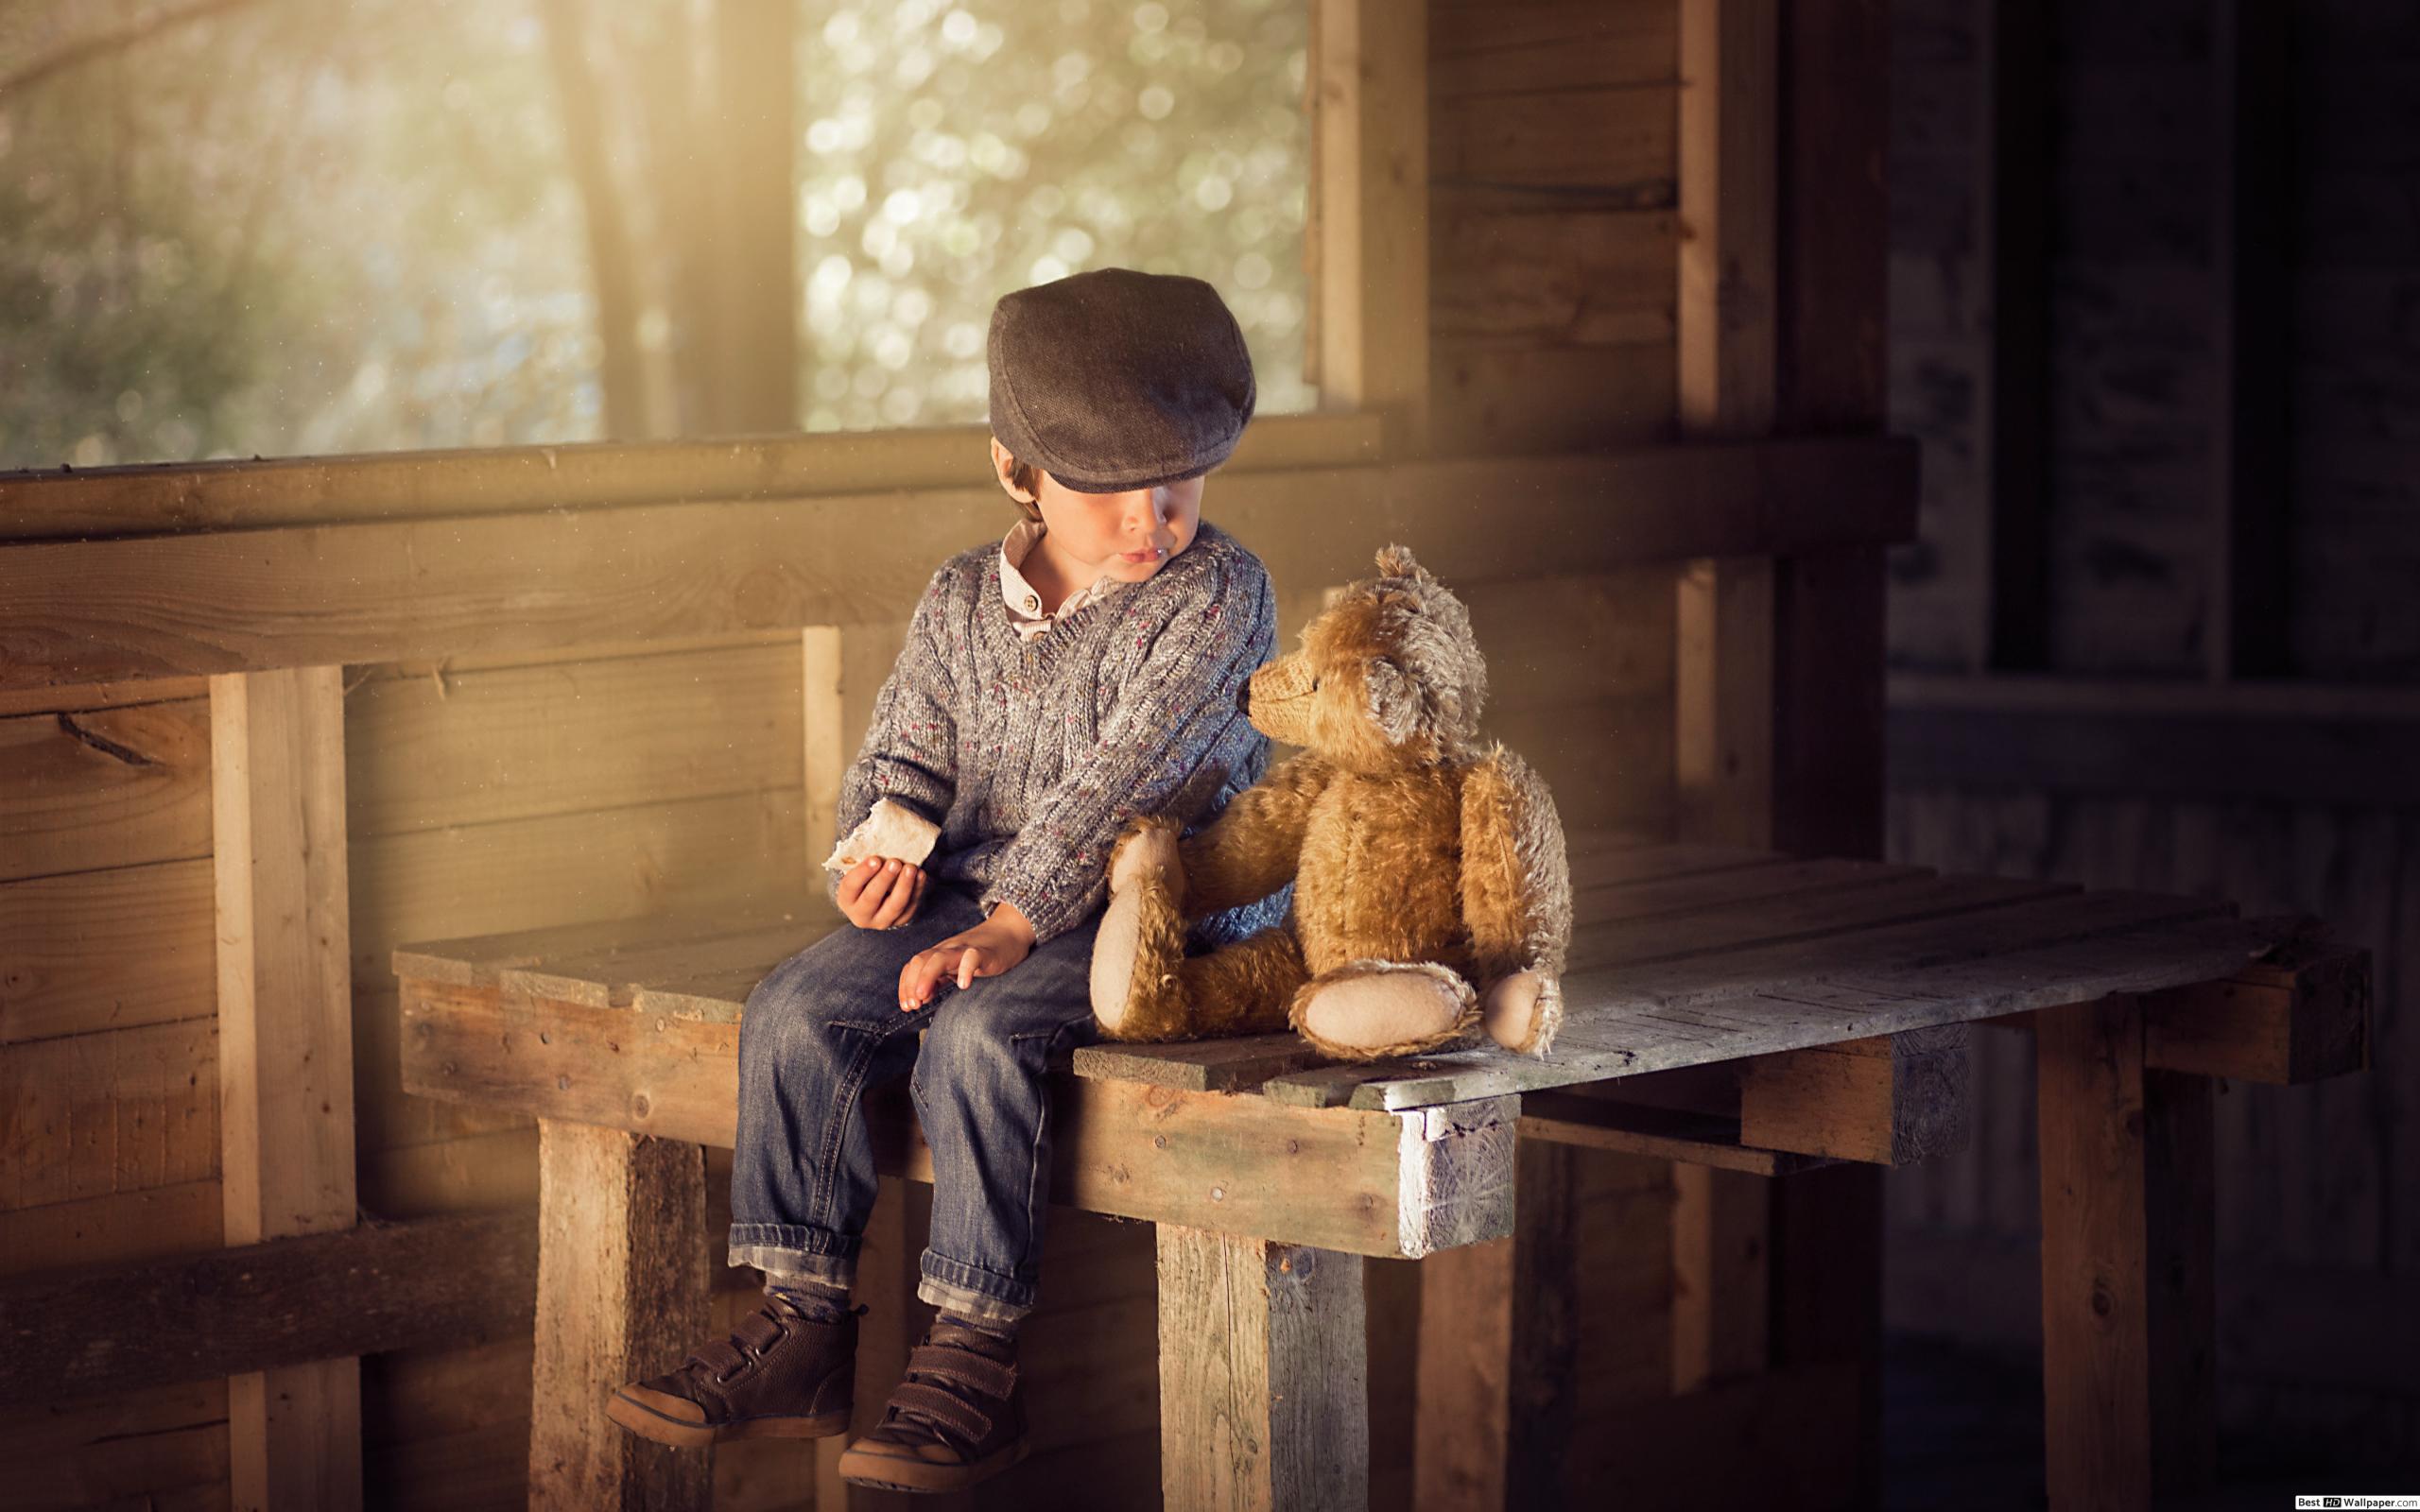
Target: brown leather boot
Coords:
[(957, 1418), (778, 1375)]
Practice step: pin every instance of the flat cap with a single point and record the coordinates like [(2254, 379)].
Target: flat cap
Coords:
[(1114, 379)]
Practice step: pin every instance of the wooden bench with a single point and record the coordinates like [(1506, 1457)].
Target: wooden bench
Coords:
[(1728, 1007)]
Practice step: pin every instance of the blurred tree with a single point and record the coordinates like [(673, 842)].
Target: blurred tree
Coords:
[(436, 223)]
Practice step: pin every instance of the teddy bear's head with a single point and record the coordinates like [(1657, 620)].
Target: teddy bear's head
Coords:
[(1389, 675)]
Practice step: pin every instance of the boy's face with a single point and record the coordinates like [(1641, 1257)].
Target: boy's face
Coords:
[(1126, 537)]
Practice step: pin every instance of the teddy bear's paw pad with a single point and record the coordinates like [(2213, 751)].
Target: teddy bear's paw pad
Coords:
[(1520, 1012), (1384, 1012), (1116, 944), (1147, 849)]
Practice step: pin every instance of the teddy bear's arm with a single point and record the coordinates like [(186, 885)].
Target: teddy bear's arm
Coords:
[(1252, 849), (1517, 882)]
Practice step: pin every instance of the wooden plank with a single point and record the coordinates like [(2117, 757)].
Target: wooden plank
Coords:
[(1623, 1021), (1616, 142), (2127, 1306), (1799, 916), (481, 748), (91, 695), (2281, 1023), (1596, 278), (154, 1221), (97, 1115), (1721, 1243), (1676, 1135), (252, 496), (1566, 44), (77, 611), (1391, 1184), (1505, 402), (1729, 99), (114, 787), (824, 750), (1892, 1100), (161, 1448), (1722, 704), (1263, 1391), (89, 1328), (621, 1295), (285, 1052), (1369, 124), (1731, 893), (106, 950), (1210, 1066)]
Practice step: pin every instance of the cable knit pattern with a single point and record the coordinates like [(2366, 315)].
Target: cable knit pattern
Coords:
[(1031, 754)]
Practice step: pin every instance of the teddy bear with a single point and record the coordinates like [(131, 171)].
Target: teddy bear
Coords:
[(1432, 896)]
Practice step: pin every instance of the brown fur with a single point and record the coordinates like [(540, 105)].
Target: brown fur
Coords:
[(1410, 845)]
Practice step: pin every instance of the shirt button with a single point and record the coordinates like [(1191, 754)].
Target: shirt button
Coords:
[(1031, 602)]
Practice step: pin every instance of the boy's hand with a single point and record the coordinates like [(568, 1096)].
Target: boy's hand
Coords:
[(987, 950), (881, 892)]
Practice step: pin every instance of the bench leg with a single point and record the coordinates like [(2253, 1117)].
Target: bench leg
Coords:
[(2129, 1302), (621, 1293), (1264, 1388)]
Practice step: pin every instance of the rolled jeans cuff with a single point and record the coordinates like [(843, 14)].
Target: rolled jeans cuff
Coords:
[(783, 1251), (984, 1296)]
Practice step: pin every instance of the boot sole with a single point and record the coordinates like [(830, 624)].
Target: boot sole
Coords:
[(892, 1472), (649, 1423)]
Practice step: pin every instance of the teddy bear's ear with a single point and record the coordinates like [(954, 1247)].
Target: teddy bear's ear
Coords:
[(1394, 700), (1396, 561)]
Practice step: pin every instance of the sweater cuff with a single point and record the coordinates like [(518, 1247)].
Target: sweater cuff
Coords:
[(1051, 912)]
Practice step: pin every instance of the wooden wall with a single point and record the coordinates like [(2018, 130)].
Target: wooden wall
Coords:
[(109, 1055), (2152, 280), (1554, 237)]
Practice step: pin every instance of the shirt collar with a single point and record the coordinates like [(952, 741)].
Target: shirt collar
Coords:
[(1024, 604)]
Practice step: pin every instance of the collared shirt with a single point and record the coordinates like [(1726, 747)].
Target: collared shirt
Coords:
[(1025, 605)]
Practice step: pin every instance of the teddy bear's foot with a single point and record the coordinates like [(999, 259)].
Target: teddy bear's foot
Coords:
[(1363, 1010), (1136, 993), (1522, 1012)]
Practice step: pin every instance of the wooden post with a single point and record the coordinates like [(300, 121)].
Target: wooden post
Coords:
[(621, 1295), (1369, 236), (2129, 1301), (284, 1049), (1730, 102), (1722, 740), (827, 753), (1264, 1391)]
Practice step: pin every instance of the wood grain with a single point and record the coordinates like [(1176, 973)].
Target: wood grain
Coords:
[(621, 1295), (106, 950), (111, 787), (1262, 1374)]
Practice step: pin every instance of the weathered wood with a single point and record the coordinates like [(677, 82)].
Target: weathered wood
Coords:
[(1721, 1248), (1369, 124), (2127, 1300), (1561, 45), (1263, 1385), (514, 743), (1625, 1021), (1396, 1184), (176, 1219), (164, 1448), (1504, 402), (621, 1293), (1723, 753), (1611, 147), (1892, 1100), (253, 495), (1594, 278), (285, 1047), (2301, 1017), (1677, 1135), (75, 613), (113, 787), (93, 1115), (1729, 101), (105, 1328), (823, 746), (106, 950)]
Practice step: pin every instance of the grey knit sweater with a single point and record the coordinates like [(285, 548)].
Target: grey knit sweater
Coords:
[(1031, 754)]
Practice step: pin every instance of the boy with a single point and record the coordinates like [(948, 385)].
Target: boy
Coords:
[(1084, 670)]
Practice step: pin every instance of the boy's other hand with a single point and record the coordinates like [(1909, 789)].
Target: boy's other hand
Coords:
[(987, 950), (881, 892)]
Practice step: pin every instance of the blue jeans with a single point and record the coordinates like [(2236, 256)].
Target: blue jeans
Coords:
[(825, 1025)]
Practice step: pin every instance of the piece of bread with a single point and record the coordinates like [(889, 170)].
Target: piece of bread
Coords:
[(891, 830)]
